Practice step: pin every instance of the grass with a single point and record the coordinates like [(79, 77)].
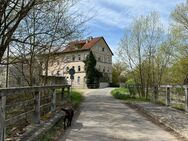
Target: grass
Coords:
[(178, 106), (75, 98), (123, 94), (55, 131), (120, 90)]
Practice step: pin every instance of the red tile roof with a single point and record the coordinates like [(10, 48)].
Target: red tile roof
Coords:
[(82, 44)]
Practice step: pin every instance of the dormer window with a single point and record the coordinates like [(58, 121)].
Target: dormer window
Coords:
[(103, 49)]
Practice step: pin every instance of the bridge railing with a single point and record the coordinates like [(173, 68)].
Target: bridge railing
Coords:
[(169, 95), (172, 95), (33, 100)]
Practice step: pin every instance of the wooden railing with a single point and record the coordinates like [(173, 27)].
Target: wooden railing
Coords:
[(171, 94), (35, 100)]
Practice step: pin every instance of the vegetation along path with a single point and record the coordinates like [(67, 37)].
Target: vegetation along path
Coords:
[(104, 118)]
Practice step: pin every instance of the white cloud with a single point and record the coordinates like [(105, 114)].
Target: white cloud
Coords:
[(119, 13)]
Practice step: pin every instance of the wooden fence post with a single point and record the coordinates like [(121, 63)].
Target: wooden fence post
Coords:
[(62, 95), (155, 91), (53, 100), (167, 96), (37, 107), (68, 90), (186, 98), (2, 118)]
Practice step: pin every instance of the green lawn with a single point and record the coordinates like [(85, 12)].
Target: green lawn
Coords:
[(123, 94), (76, 98)]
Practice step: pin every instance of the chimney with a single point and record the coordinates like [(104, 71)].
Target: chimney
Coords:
[(89, 39)]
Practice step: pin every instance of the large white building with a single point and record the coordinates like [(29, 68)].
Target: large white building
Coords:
[(74, 55)]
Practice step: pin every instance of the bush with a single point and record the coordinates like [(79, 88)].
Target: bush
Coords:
[(119, 95), (123, 94)]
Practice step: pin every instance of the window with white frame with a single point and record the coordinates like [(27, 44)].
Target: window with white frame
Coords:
[(79, 58), (103, 49), (73, 58), (78, 80), (79, 69)]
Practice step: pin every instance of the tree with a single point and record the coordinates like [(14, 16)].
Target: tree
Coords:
[(12, 12), (119, 70), (43, 32), (180, 35), (92, 74), (139, 47)]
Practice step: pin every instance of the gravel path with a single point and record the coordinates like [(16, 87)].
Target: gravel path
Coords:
[(104, 118)]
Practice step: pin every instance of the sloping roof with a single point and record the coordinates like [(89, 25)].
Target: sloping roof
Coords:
[(82, 45)]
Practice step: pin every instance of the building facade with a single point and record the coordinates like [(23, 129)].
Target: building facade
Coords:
[(74, 55)]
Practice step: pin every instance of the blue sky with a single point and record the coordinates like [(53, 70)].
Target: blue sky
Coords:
[(111, 18)]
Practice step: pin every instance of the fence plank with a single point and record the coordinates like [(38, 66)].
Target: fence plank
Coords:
[(155, 91), (2, 118), (53, 100), (186, 99), (36, 116), (37, 100), (167, 96)]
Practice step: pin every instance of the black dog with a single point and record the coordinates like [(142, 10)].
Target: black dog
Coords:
[(69, 113)]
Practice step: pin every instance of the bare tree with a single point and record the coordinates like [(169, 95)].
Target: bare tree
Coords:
[(12, 12), (139, 47), (43, 33)]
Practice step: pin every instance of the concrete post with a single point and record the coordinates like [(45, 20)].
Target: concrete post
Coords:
[(167, 96), (36, 115), (2, 118)]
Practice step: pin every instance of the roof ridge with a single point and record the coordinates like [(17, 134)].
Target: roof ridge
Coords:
[(86, 44)]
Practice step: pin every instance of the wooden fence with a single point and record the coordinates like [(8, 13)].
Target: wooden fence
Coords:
[(172, 94), (35, 100)]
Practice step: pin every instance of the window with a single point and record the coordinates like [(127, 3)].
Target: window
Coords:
[(104, 69), (78, 80), (73, 58), (99, 58), (67, 58), (103, 49), (79, 58), (73, 67), (79, 68), (85, 56)]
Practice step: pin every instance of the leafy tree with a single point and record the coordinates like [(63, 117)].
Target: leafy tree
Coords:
[(92, 74), (138, 48), (119, 70)]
